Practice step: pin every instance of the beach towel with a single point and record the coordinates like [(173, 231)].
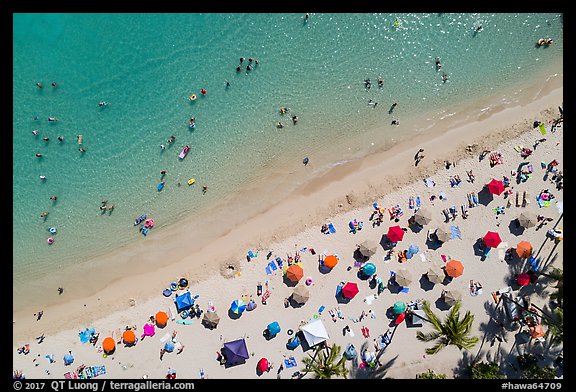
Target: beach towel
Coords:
[(542, 128), (279, 261), (164, 338), (71, 375), (455, 232), (331, 228), (560, 206), (422, 256), (442, 196), (268, 270), (290, 362), (411, 202), (429, 182), (418, 202), (405, 289), (369, 299), (273, 265)]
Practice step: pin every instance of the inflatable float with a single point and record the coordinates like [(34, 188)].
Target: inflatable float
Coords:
[(139, 219), (184, 152), (191, 181)]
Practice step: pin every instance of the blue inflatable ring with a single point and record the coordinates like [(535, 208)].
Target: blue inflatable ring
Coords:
[(173, 286), (184, 314)]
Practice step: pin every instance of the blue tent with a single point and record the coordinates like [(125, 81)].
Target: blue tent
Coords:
[(184, 301), (68, 359), (293, 343), (412, 250), (169, 346), (273, 328), (235, 352), (86, 334)]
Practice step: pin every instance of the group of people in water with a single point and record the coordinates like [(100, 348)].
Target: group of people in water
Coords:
[(249, 67)]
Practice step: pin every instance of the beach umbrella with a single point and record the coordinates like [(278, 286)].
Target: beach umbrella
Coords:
[(536, 332), (128, 337), (169, 346), (524, 249), (251, 305), (423, 216), (399, 307), (211, 319), (368, 269), (184, 301), (434, 275), (161, 318), (235, 351), (400, 318), (403, 277), (527, 219), (86, 334), (454, 268), (273, 328), (412, 250), (368, 248), (450, 297), (238, 306), (108, 345), (301, 294), (523, 279), (294, 273), (330, 261), (263, 365), (443, 234), (149, 330), (495, 187), (350, 290), (492, 239), (395, 233), (68, 359), (314, 332)]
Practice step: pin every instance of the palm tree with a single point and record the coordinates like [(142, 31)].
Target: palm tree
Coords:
[(558, 275), (556, 328), (322, 363), (451, 331)]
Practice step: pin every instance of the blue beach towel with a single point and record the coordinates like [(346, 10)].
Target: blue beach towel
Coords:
[(331, 228), (455, 232), (405, 289), (290, 362), (268, 270), (418, 202), (272, 265), (279, 261)]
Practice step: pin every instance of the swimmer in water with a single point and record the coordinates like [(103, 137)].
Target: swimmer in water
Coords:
[(38, 155), (162, 147), (52, 119), (39, 85), (60, 138), (43, 177), (102, 103), (35, 132)]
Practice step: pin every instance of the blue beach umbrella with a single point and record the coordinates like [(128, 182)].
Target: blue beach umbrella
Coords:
[(412, 250), (68, 359), (169, 346), (369, 269), (273, 328), (238, 306), (86, 334)]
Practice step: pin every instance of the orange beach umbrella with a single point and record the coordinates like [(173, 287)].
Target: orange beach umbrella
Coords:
[(108, 344), (161, 318), (454, 268), (330, 261), (128, 336), (294, 273), (524, 249)]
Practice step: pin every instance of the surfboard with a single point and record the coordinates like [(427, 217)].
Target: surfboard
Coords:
[(542, 129), (160, 186), (185, 322)]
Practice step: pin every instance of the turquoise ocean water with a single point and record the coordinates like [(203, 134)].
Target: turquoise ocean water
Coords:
[(147, 65)]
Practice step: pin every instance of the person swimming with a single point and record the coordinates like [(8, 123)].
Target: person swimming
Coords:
[(35, 132), (52, 119), (102, 103), (438, 64)]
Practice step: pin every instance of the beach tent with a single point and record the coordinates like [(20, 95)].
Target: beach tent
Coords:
[(330, 261), (86, 334), (294, 273), (350, 290), (108, 345), (161, 318), (149, 330), (301, 294), (368, 269), (314, 332), (368, 248), (443, 234), (251, 305), (403, 277), (184, 301), (169, 346), (495, 187), (454, 268), (273, 328), (423, 216), (211, 319), (524, 249), (262, 365), (128, 337), (395, 233), (492, 239), (527, 219), (434, 275), (238, 306), (68, 359), (450, 297), (412, 250), (235, 351), (399, 307)]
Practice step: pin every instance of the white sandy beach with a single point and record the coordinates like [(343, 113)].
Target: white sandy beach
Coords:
[(345, 193)]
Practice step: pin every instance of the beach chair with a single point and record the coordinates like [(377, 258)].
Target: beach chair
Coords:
[(418, 203), (446, 215), (475, 199), (331, 228), (405, 290), (411, 202)]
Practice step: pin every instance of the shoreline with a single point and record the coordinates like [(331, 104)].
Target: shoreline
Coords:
[(353, 184)]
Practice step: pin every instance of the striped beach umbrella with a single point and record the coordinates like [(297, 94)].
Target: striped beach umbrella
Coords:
[(238, 306)]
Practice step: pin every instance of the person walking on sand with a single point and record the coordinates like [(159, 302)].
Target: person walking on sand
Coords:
[(204, 188)]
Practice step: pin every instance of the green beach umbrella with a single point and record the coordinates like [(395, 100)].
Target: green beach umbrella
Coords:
[(399, 307), (368, 269)]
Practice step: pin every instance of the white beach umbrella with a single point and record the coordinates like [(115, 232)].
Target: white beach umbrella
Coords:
[(315, 332)]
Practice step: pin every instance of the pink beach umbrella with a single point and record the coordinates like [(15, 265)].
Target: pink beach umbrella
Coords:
[(495, 187), (149, 330), (395, 233)]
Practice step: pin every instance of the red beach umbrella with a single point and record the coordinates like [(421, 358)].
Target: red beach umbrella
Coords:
[(263, 365), (395, 233), (492, 239), (350, 290), (495, 187), (523, 279), (400, 318)]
